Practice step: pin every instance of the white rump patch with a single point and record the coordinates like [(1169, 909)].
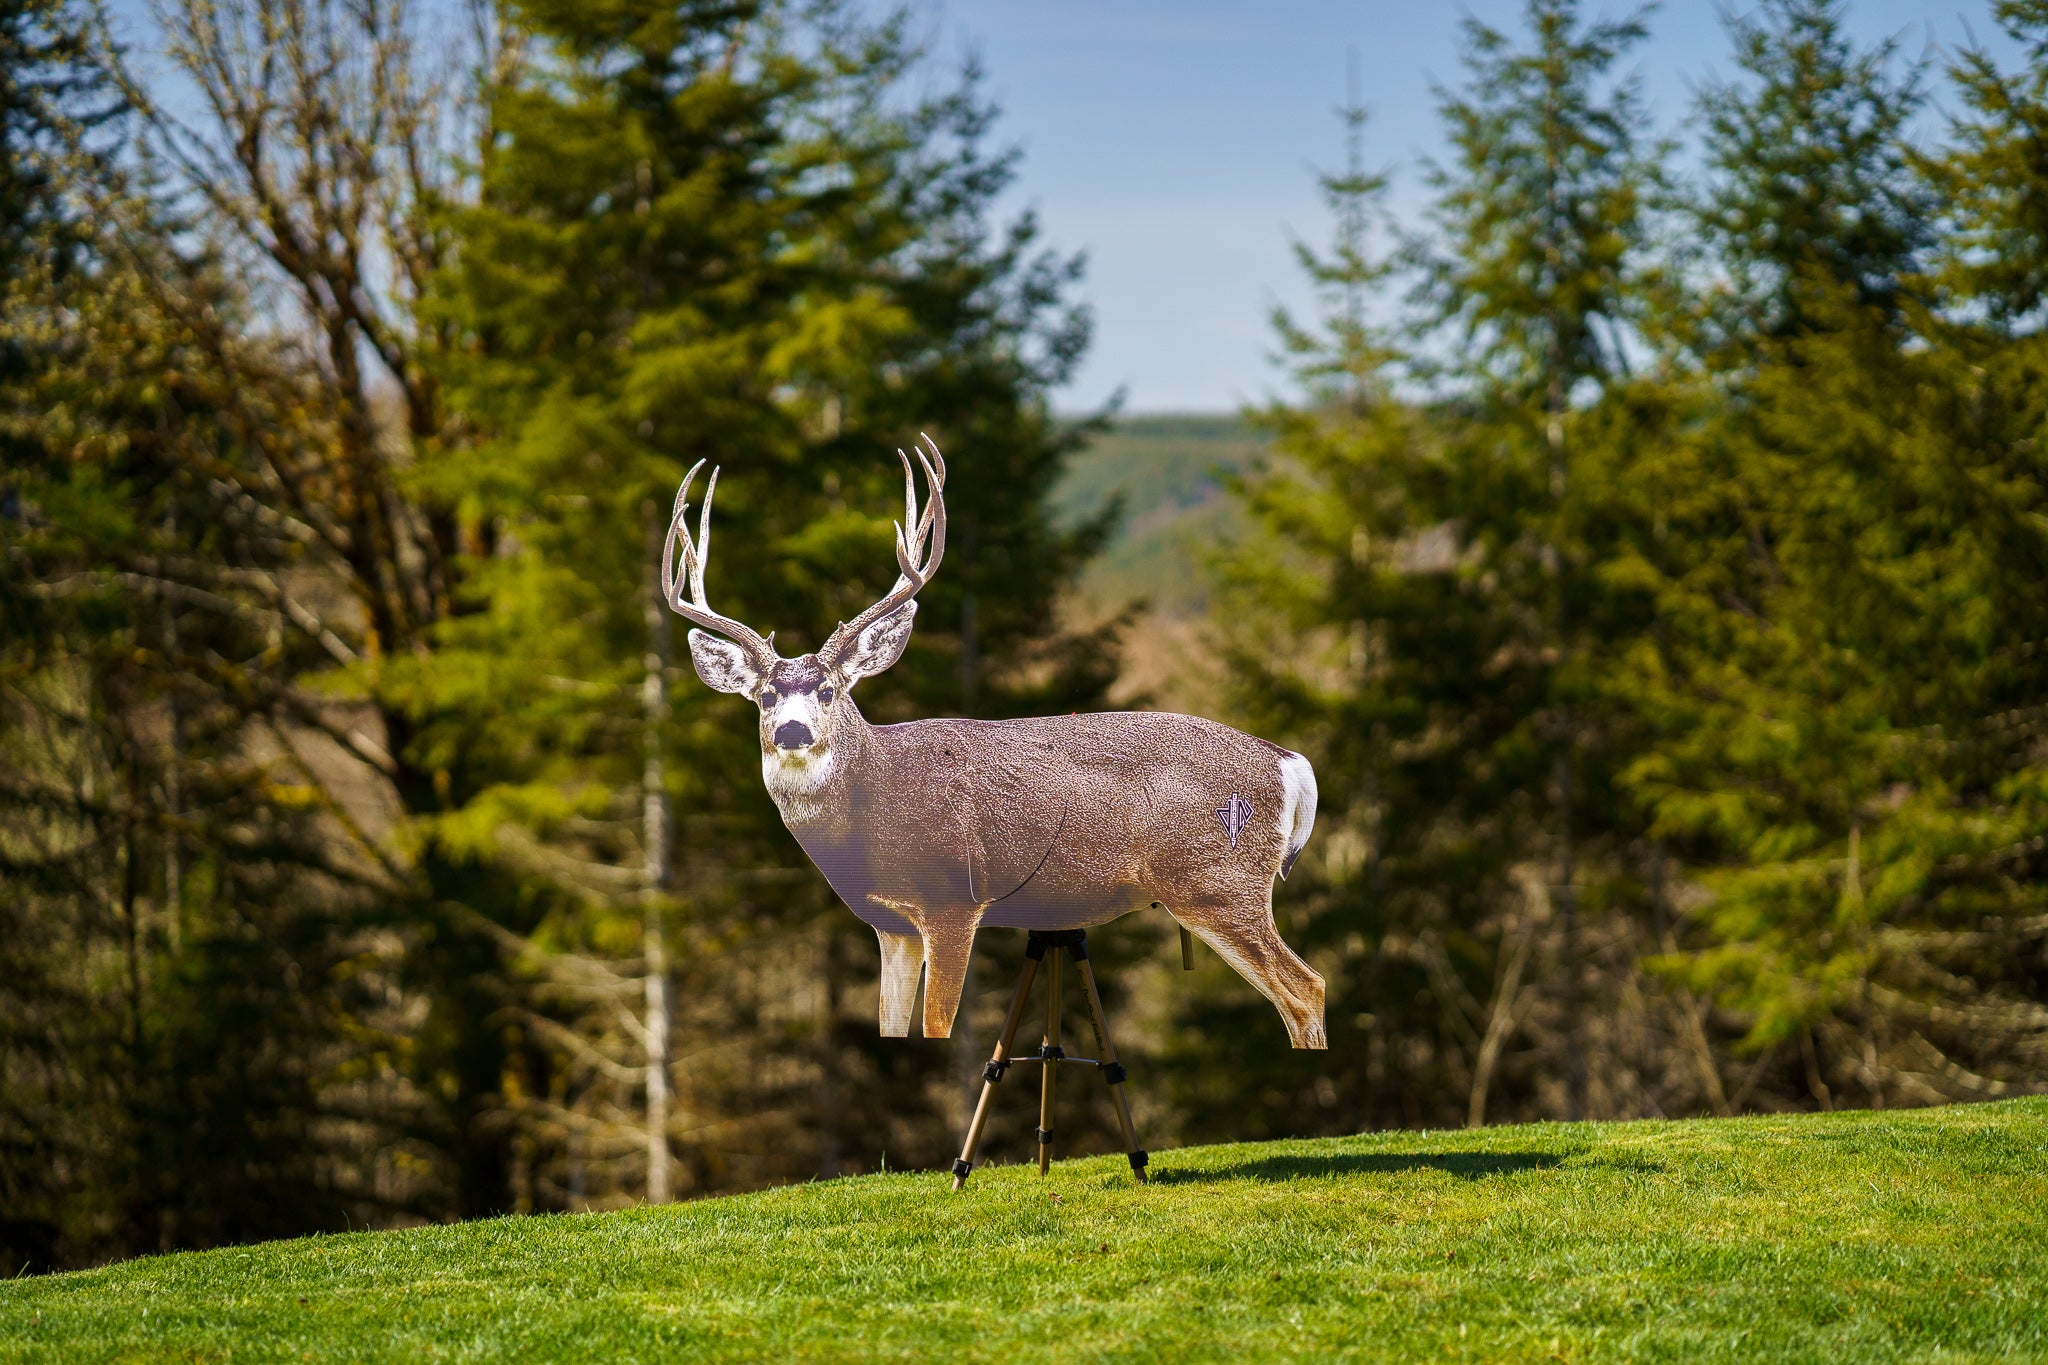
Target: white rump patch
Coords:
[(1297, 807)]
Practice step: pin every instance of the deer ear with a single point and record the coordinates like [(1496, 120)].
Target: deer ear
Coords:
[(723, 665), (878, 647)]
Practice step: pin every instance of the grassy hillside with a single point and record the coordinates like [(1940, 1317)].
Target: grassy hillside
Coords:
[(1165, 468), (1920, 1235)]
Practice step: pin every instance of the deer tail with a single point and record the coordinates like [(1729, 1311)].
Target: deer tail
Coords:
[(1297, 807)]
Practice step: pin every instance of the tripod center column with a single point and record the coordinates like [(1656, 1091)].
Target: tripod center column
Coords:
[(1050, 1051)]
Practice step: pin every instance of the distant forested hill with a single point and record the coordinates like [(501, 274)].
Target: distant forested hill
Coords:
[(1169, 469)]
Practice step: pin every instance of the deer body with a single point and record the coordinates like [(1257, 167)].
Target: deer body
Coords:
[(932, 829), (1058, 823)]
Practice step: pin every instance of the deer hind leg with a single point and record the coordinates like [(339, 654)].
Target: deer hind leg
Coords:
[(1243, 935), (948, 945), (902, 960)]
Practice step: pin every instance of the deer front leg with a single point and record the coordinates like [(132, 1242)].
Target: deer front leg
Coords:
[(902, 960), (948, 945)]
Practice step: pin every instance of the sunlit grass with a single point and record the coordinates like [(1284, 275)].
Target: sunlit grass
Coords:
[(1918, 1235)]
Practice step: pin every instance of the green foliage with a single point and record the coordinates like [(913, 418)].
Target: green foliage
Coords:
[(51, 103), (183, 942), (1840, 687), (1849, 721), (719, 245), (1658, 599), (727, 235), (1861, 1236), (1165, 475), (1539, 213), (1731, 651), (326, 631), (1810, 185), (1431, 599), (1994, 180)]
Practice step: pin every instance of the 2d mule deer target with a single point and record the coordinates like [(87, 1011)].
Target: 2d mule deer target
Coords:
[(932, 829)]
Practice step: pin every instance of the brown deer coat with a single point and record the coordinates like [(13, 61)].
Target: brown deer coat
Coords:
[(932, 829)]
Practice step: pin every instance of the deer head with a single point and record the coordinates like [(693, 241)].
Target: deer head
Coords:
[(805, 703)]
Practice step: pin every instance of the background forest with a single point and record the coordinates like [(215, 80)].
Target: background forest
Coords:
[(1649, 554)]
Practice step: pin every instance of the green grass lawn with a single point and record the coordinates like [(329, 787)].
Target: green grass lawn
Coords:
[(1917, 1235)]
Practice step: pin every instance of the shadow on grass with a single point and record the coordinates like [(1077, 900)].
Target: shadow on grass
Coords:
[(1464, 1165)]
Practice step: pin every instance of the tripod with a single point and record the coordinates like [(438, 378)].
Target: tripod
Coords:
[(1059, 945)]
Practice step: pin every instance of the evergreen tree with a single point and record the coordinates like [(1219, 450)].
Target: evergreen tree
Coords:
[(1442, 581), (1541, 220), (185, 950), (1308, 619), (51, 100), (719, 235), (1810, 182), (1994, 180), (1847, 755), (1844, 757)]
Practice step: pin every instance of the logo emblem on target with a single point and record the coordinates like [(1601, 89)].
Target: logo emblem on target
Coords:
[(1235, 814)]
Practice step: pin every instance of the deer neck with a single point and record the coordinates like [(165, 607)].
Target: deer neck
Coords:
[(813, 790)]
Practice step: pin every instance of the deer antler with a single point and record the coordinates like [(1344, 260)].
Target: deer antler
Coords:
[(694, 608), (915, 566)]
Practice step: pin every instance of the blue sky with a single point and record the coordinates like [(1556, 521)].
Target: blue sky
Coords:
[(1175, 141)]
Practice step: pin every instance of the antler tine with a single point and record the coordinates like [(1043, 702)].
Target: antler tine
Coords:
[(702, 553), (676, 527), (912, 532), (696, 608), (912, 535), (909, 491), (934, 527)]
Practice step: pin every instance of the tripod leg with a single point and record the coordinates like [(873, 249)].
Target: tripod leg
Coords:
[(992, 1073), (1050, 1050), (1113, 1071)]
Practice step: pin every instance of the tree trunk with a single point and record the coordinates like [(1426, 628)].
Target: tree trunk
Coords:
[(1566, 893), (655, 836), (828, 1090), (1500, 1023), (174, 780)]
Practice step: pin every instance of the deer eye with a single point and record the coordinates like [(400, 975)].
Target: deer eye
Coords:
[(825, 695), (768, 697)]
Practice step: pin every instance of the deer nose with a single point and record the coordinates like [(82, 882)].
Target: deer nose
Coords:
[(792, 734)]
